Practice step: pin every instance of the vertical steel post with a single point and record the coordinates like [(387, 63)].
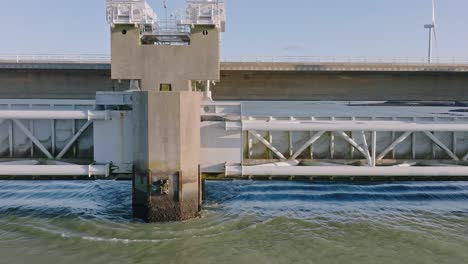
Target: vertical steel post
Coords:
[(374, 148)]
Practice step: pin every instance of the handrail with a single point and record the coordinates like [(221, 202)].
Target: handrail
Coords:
[(54, 58), (105, 59), (351, 60)]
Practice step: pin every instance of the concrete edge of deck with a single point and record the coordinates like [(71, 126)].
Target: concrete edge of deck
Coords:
[(262, 66)]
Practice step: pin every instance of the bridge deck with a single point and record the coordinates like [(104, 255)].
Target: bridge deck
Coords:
[(399, 80), (253, 66)]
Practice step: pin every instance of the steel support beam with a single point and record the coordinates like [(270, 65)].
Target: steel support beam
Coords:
[(378, 126), (441, 145), (374, 148), (267, 144), (73, 139), (435, 171), (364, 151), (311, 141), (33, 138), (394, 144), (55, 170), (55, 114)]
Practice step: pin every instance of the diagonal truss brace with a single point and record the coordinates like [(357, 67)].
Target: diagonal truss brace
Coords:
[(311, 141), (267, 144), (33, 138), (44, 149), (73, 139), (405, 135), (392, 146), (409, 130), (441, 145), (364, 151)]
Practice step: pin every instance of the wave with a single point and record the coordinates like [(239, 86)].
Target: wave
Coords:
[(111, 200)]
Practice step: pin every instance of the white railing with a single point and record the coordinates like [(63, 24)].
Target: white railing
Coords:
[(105, 59), (129, 12), (203, 12), (52, 58), (170, 27), (332, 59)]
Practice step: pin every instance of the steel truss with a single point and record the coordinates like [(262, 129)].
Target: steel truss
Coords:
[(18, 118), (353, 132)]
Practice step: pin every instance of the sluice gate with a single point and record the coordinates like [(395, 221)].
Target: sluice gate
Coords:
[(338, 139), (94, 138), (62, 139)]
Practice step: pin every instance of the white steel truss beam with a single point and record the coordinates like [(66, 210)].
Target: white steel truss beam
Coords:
[(74, 139), (394, 144), (55, 170), (43, 149), (33, 138), (373, 125), (355, 144), (374, 148), (370, 152), (310, 142), (441, 145), (55, 114), (267, 144), (345, 171)]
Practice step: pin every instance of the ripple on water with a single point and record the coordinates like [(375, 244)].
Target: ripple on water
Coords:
[(258, 218)]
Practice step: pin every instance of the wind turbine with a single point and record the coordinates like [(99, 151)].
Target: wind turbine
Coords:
[(432, 32)]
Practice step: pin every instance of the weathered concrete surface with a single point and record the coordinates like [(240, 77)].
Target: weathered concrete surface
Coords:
[(166, 149), (244, 81), (154, 65), (352, 86), (56, 83)]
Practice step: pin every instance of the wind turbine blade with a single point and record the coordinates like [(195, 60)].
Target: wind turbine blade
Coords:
[(433, 13), (436, 44)]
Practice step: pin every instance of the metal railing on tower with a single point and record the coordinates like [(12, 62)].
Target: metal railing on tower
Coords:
[(206, 12), (137, 12)]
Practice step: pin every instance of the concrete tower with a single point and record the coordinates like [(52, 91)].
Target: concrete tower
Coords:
[(164, 59)]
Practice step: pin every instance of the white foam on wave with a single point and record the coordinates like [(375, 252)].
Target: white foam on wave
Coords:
[(118, 240), (124, 241)]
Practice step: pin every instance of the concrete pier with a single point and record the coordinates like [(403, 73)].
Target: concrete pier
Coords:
[(166, 152), (163, 61)]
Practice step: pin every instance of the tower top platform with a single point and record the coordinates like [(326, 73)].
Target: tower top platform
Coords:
[(205, 12), (137, 12), (208, 13)]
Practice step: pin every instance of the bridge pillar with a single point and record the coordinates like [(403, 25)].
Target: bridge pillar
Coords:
[(166, 64), (166, 184)]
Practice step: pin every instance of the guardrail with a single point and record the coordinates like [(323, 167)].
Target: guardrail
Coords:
[(91, 58), (357, 60), (170, 27), (45, 58)]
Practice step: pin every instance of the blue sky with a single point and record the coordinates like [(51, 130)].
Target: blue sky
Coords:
[(367, 28)]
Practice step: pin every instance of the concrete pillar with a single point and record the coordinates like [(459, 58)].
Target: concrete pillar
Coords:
[(207, 95), (166, 184)]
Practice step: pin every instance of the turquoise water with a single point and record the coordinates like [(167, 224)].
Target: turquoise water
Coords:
[(243, 222)]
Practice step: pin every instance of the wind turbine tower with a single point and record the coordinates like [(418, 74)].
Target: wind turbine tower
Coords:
[(432, 32)]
